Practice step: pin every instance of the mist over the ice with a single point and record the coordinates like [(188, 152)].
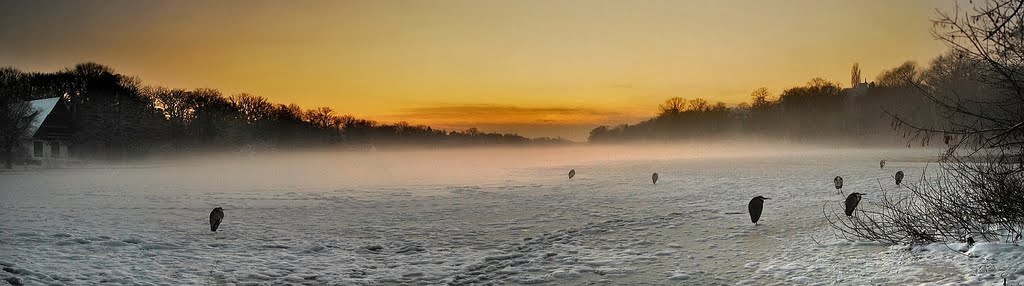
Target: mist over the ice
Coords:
[(400, 166)]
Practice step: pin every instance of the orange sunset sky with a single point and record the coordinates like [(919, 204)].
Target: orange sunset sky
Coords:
[(537, 68)]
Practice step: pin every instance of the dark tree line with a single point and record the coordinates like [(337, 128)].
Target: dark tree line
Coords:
[(115, 116), (679, 118), (821, 110)]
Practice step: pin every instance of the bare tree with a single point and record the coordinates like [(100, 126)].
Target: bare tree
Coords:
[(905, 75), (699, 105), (760, 98), (855, 75), (254, 108), (16, 117), (323, 117), (979, 187), (673, 105)]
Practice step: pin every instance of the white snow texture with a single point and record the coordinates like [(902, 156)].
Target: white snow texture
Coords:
[(484, 217)]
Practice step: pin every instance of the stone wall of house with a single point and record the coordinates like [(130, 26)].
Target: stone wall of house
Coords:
[(44, 152)]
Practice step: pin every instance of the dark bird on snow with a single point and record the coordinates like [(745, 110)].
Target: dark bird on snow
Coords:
[(572, 173), (899, 177), (968, 244), (654, 177), (851, 202), (754, 207), (839, 183), (881, 164), (216, 216)]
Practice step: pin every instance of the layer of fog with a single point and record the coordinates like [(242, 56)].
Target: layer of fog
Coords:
[(385, 166)]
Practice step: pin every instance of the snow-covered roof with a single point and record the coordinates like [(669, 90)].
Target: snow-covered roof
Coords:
[(43, 107)]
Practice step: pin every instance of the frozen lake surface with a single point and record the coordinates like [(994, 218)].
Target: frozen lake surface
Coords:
[(470, 217)]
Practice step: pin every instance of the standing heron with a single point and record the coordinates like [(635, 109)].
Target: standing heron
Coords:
[(216, 216), (572, 173), (754, 207), (839, 184), (654, 178), (851, 202), (899, 177), (881, 164)]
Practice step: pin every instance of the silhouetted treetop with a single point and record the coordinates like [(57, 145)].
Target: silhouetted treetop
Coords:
[(904, 75), (673, 105)]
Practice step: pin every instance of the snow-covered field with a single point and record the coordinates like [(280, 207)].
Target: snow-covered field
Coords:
[(475, 216)]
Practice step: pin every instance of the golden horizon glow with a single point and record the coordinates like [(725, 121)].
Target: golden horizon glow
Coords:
[(538, 68)]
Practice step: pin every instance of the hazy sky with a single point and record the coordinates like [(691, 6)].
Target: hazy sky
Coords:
[(539, 68)]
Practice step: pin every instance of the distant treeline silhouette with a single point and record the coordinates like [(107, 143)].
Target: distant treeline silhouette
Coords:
[(117, 117), (821, 110)]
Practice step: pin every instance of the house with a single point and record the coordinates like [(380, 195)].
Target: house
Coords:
[(50, 132), (858, 90)]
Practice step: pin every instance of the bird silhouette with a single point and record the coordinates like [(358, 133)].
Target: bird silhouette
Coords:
[(851, 202), (654, 178), (881, 164), (216, 216), (839, 184), (899, 177), (754, 207), (572, 173), (967, 244)]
